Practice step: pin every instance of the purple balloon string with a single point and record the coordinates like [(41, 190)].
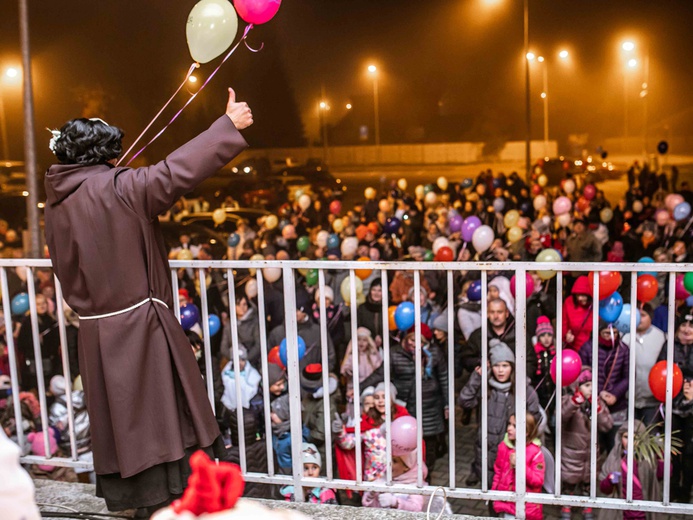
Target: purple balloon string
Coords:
[(187, 76), (228, 55)]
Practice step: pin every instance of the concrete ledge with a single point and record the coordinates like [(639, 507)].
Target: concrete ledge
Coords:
[(80, 497)]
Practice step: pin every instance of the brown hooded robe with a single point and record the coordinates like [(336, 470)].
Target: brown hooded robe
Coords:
[(146, 400)]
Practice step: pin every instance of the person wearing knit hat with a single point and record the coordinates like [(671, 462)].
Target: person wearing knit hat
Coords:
[(440, 324), (312, 462), (545, 351), (276, 380), (499, 353)]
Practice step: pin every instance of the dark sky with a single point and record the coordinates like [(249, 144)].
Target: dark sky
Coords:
[(450, 70)]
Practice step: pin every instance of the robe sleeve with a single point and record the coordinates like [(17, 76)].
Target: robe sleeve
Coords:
[(151, 190)]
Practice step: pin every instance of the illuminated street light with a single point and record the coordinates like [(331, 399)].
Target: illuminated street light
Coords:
[(540, 59), (628, 46), (530, 56), (348, 106), (10, 76), (563, 54), (324, 105), (543, 95), (372, 69), (12, 72), (632, 63), (192, 79)]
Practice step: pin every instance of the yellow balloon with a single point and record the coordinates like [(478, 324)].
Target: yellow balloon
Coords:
[(219, 216), (252, 270), (369, 193), (338, 226), (184, 254), (271, 221), (301, 270), (511, 218), (402, 184), (514, 234), (345, 290), (542, 180), (211, 29), (442, 183)]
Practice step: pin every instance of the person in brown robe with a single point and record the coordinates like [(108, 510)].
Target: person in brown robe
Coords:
[(145, 397)]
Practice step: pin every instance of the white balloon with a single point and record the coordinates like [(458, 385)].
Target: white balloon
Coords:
[(321, 238), (211, 29), (349, 246), (251, 288), (539, 202), (482, 238), (369, 193), (304, 201), (564, 220), (431, 198), (569, 186), (442, 183), (438, 243), (271, 274), (402, 184)]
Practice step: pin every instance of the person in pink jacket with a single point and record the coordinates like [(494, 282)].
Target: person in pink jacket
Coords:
[(504, 469), (404, 471)]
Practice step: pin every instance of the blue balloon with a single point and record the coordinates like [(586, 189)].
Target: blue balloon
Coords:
[(20, 304), (404, 316), (234, 239), (189, 315), (647, 260), (392, 225), (214, 324), (689, 301), (474, 291), (623, 321), (333, 241), (467, 183), (498, 203), (682, 211), (525, 208), (282, 350), (610, 307)]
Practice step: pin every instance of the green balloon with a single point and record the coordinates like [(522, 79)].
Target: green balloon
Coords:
[(688, 282), (429, 256), (302, 244), (311, 277)]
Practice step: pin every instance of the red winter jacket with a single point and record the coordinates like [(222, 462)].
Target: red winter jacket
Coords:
[(577, 319), (504, 477)]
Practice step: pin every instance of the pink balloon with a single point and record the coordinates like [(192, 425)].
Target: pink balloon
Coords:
[(681, 292), (672, 200), (403, 435), (589, 192), (529, 284), (257, 11), (561, 205), (571, 366)]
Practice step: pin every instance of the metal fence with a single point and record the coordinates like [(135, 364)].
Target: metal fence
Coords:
[(520, 496)]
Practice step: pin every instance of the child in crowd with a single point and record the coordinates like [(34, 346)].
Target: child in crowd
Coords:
[(546, 350), (575, 441), (501, 402), (646, 475), (404, 471), (312, 462), (313, 405), (504, 469), (370, 356), (250, 380)]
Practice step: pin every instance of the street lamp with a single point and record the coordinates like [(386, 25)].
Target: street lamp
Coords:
[(323, 107), (10, 75), (373, 71), (631, 63), (563, 55)]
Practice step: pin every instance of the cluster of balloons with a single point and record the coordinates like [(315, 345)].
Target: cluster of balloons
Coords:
[(684, 286), (212, 24), (401, 316)]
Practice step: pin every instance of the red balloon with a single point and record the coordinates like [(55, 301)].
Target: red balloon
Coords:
[(658, 381), (273, 357), (590, 192), (335, 207), (582, 204), (444, 254), (536, 189), (647, 287), (609, 282)]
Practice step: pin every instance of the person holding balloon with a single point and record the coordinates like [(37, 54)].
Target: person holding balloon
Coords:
[(612, 378), (104, 219), (576, 417)]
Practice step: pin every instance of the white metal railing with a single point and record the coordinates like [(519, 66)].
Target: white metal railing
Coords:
[(520, 496)]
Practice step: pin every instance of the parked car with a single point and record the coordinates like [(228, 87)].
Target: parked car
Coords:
[(198, 235)]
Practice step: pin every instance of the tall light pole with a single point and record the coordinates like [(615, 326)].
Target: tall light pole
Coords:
[(29, 144), (373, 71), (323, 107), (528, 115), (563, 55), (10, 74)]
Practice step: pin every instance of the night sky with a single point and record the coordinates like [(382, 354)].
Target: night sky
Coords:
[(449, 70)]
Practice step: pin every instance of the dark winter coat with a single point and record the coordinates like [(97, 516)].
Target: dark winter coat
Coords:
[(248, 336), (613, 370), (370, 315), (501, 405), (434, 393), (145, 397), (471, 353)]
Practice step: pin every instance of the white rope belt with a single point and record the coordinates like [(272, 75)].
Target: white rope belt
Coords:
[(123, 311)]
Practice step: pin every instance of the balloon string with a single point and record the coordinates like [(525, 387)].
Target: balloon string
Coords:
[(228, 55), (187, 76)]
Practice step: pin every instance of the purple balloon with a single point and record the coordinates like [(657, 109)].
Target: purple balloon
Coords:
[(456, 223), (469, 226), (189, 315)]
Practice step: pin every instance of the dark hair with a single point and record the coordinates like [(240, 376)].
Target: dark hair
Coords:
[(88, 142)]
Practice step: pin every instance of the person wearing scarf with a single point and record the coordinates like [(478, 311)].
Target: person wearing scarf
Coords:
[(370, 356)]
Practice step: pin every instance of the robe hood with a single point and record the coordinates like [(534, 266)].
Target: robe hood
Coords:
[(64, 179)]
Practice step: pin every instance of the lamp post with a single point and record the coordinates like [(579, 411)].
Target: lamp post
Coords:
[(528, 115), (373, 71), (323, 107), (563, 55)]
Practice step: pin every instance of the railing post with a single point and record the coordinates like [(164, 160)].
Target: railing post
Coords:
[(521, 390)]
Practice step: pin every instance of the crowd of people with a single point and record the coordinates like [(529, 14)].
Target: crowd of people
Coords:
[(493, 218)]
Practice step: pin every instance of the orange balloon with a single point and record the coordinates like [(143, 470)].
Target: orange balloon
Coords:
[(363, 273), (373, 227), (391, 317)]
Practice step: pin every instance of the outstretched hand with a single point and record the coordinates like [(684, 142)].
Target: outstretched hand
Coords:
[(239, 113)]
